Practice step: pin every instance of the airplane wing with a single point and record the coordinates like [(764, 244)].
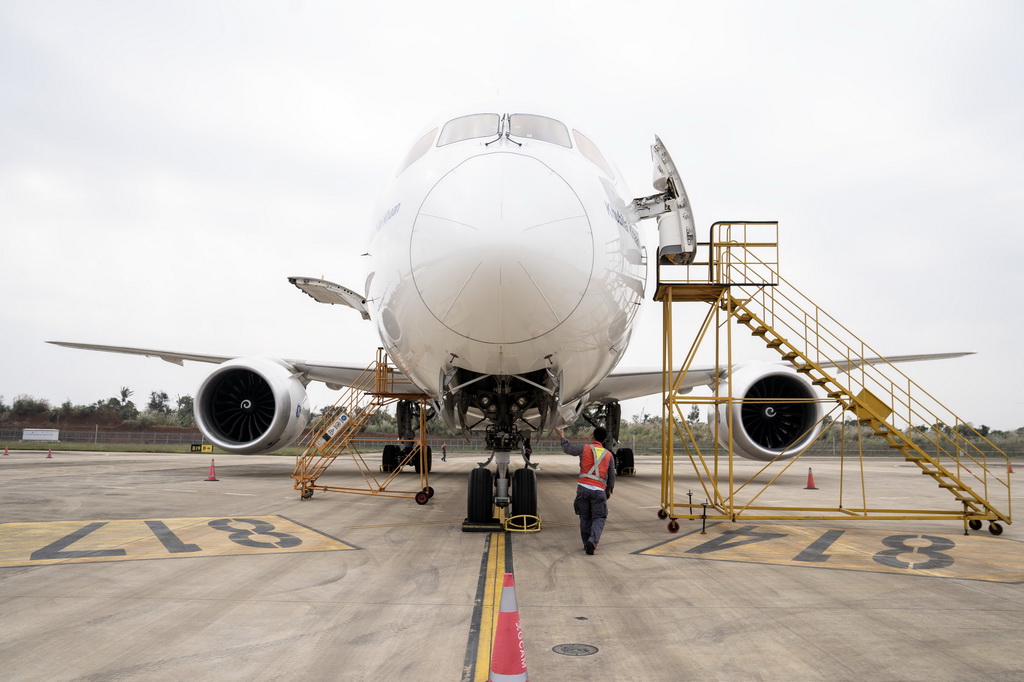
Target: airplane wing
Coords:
[(640, 382), (335, 375)]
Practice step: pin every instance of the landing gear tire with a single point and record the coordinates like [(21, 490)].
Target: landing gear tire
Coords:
[(974, 524), (389, 460), (524, 493), (430, 461), (624, 462), (995, 528), (673, 526), (480, 500)]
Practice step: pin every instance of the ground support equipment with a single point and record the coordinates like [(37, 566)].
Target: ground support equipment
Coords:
[(859, 391), (339, 431)]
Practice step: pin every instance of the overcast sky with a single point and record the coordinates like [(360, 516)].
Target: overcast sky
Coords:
[(165, 166)]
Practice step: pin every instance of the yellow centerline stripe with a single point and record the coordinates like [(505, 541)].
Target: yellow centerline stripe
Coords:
[(492, 601)]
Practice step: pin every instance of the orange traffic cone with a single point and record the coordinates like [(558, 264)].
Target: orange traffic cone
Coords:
[(1009, 465), (49, 454), (508, 659), (5, 452), (810, 480), (213, 472)]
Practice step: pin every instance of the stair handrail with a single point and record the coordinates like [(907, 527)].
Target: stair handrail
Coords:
[(820, 343)]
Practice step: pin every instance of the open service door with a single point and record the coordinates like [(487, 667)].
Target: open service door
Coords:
[(676, 232)]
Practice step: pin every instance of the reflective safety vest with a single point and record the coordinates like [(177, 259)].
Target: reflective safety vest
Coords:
[(594, 463)]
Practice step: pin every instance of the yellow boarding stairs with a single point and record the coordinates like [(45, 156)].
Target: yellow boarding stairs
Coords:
[(879, 395), (340, 430)]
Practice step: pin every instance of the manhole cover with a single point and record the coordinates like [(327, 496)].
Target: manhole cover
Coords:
[(575, 649)]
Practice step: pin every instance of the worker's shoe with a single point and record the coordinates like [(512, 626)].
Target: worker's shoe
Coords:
[(589, 547)]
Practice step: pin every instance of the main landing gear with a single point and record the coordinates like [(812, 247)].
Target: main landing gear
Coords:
[(396, 456)]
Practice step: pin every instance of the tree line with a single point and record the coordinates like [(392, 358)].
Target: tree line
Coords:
[(158, 411)]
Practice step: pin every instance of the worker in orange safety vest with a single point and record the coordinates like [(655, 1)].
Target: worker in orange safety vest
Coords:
[(594, 486)]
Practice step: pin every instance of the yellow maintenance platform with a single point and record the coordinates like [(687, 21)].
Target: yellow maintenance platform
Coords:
[(859, 392)]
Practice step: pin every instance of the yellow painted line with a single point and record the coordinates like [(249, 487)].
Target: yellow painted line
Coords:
[(63, 542), (945, 555), (495, 580)]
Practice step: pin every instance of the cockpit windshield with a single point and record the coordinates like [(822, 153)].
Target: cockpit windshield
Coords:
[(510, 126), (421, 147), (469, 127), (542, 128), (589, 150)]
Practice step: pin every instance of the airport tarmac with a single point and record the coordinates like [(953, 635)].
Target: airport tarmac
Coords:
[(133, 566)]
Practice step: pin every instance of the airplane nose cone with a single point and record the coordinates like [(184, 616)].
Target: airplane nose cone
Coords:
[(502, 250)]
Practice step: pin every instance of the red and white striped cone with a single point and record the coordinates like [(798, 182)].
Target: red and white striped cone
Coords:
[(810, 480), (213, 472), (49, 454), (508, 660), (5, 452)]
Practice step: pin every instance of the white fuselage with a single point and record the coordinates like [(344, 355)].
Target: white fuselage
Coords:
[(504, 259)]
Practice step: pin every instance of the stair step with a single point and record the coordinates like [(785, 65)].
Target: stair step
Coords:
[(790, 356), (760, 331), (775, 343), (805, 369)]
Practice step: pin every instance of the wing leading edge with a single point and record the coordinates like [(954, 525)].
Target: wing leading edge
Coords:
[(334, 375), (640, 382)]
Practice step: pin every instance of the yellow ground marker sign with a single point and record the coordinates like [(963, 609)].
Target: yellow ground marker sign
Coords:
[(947, 555), (63, 542)]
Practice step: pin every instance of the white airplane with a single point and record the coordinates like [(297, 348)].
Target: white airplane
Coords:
[(507, 271)]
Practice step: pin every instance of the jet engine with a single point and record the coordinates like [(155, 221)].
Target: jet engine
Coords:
[(252, 406), (777, 414)]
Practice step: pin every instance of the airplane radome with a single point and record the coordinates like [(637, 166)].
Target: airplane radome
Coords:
[(507, 271)]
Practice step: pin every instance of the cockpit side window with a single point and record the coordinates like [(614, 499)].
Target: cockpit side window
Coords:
[(421, 147), (468, 128), (589, 150), (542, 128)]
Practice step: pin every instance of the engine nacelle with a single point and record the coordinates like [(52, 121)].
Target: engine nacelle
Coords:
[(779, 413), (251, 406)]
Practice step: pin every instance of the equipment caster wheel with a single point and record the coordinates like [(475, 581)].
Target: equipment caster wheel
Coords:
[(662, 514), (995, 528), (673, 526), (429, 490), (422, 497), (306, 494), (974, 524)]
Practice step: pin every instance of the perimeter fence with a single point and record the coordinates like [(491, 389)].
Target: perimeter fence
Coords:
[(369, 443)]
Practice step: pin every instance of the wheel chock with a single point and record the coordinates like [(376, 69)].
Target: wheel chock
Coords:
[(522, 523)]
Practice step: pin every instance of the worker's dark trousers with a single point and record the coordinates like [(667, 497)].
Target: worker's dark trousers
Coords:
[(592, 508)]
